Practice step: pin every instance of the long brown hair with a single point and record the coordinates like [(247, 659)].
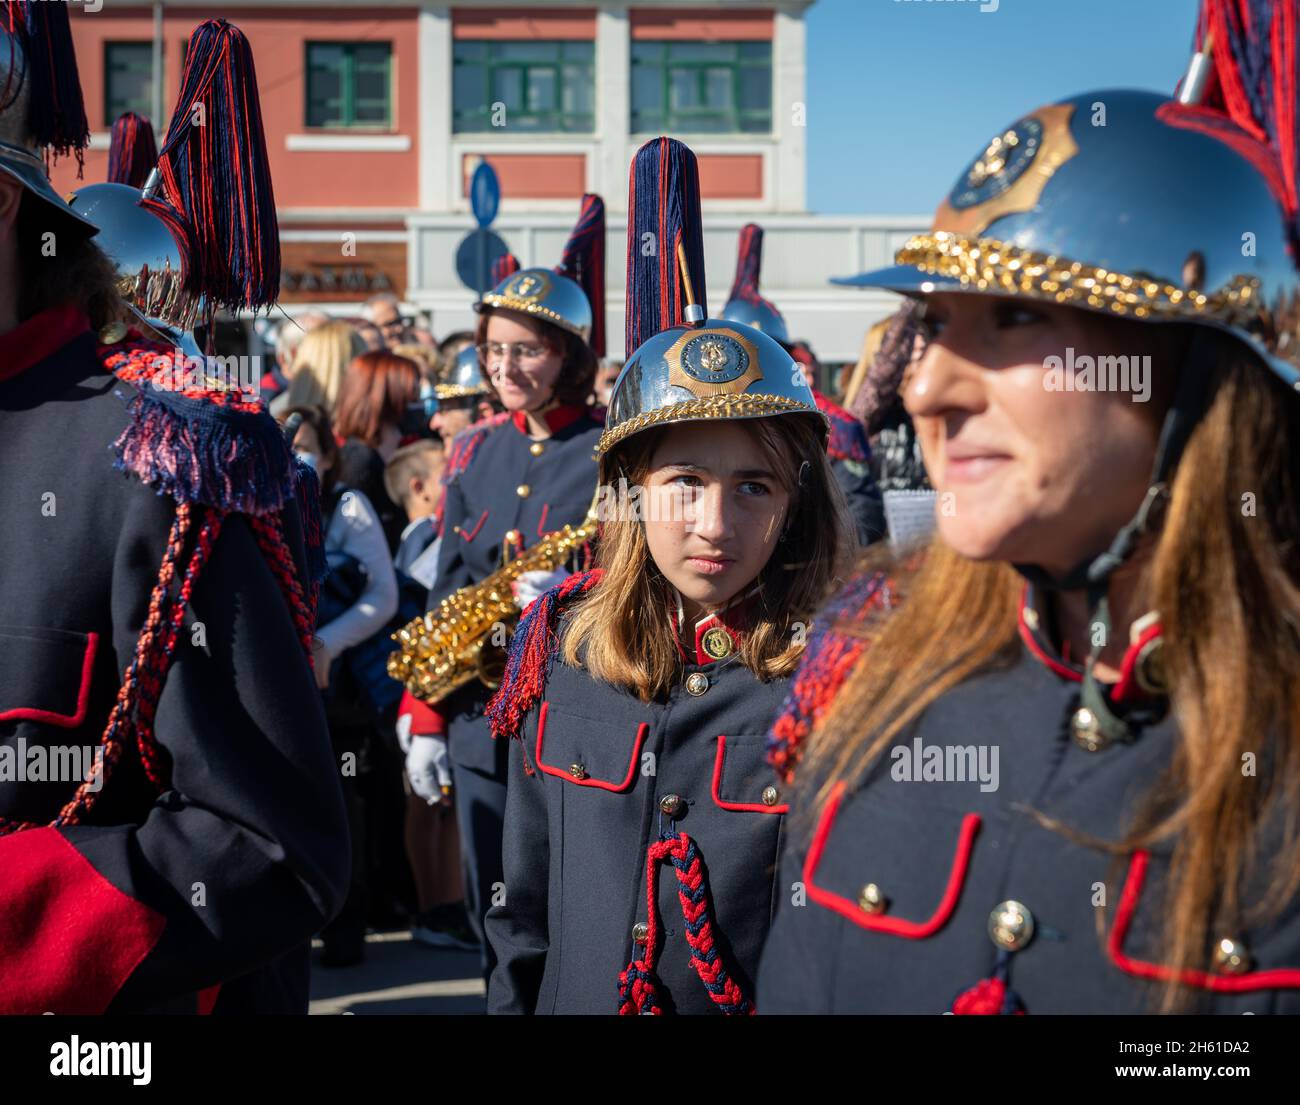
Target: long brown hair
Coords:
[(621, 630), (577, 377), (376, 389), (1224, 575)]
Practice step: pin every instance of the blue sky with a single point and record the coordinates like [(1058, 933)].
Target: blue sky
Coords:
[(902, 94)]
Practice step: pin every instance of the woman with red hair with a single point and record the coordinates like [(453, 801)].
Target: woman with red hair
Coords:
[(378, 410)]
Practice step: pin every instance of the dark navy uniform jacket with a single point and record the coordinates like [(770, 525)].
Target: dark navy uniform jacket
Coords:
[(223, 877), (898, 895), (502, 485), (850, 458), (590, 780)]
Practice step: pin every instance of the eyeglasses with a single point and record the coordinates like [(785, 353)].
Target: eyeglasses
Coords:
[(496, 352), (398, 323)]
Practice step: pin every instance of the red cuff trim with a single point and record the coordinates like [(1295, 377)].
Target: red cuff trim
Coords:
[(568, 777), (1280, 978), (876, 922), (208, 999), (426, 720), (69, 938)]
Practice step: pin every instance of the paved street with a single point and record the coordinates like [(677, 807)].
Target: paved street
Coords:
[(399, 975)]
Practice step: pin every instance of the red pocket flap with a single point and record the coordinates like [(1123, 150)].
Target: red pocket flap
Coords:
[(1277, 978), (588, 753), (45, 675), (863, 857), (742, 777)]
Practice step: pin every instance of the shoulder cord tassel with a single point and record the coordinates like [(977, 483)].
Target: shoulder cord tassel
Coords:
[(637, 991), (990, 996)]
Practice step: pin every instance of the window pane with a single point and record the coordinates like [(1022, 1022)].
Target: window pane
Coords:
[(128, 79), (647, 88), (525, 51), (508, 86), (579, 91), (702, 51), (717, 89), (541, 90), (683, 89), (579, 51), (469, 88), (756, 88), (469, 50), (647, 52), (755, 51)]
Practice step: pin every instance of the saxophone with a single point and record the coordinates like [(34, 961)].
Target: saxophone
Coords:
[(452, 644)]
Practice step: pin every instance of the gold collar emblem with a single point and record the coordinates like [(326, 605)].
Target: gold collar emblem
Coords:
[(717, 643)]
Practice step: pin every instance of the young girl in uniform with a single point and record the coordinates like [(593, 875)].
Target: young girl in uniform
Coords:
[(642, 820)]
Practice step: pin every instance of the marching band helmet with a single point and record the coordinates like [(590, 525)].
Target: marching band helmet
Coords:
[(149, 264), (710, 369), (746, 304), (1120, 202), (465, 379), (571, 295), (684, 366), (543, 294), (21, 154)]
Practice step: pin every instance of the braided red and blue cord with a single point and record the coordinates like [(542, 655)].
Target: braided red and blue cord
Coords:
[(638, 984)]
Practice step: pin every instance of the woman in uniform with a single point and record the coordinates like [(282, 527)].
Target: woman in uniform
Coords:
[(1049, 765), (512, 479), (641, 821)]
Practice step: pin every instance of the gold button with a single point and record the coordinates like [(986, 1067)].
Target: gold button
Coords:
[(770, 795), (512, 536), (640, 932), (671, 804), (1231, 957), (455, 529), (537, 448), (717, 643), (697, 683), (577, 771), (870, 899), (523, 491), (1086, 729), (1011, 925)]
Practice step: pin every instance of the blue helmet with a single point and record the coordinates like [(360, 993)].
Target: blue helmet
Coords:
[(1121, 202)]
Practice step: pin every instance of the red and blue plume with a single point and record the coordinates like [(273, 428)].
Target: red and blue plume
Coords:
[(1253, 84), (132, 150), (215, 188), (505, 265), (663, 212), (56, 113), (749, 263), (584, 263)]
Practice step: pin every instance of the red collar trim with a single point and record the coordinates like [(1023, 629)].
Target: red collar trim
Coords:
[(1144, 631), (733, 619), (556, 419), (38, 338)]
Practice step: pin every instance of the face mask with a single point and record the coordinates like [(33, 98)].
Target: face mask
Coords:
[(311, 460)]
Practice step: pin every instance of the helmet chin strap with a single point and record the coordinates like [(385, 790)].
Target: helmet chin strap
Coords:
[(1092, 575)]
